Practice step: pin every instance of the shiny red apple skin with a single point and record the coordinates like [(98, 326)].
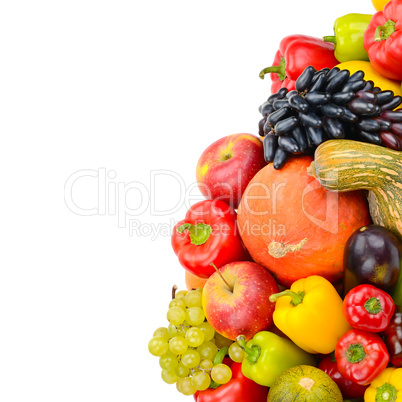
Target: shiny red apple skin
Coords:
[(244, 308), (226, 167)]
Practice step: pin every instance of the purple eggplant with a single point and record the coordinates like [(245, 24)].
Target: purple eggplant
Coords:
[(373, 255)]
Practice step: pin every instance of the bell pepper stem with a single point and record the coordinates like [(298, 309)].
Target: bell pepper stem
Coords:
[(383, 32), (373, 305), (296, 297), (252, 353), (221, 355), (355, 353), (331, 39), (199, 233), (386, 392), (280, 70)]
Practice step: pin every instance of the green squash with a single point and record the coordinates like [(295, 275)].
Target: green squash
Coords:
[(346, 165), (304, 384)]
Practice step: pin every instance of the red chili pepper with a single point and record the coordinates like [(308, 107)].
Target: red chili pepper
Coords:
[(349, 389), (383, 40), (238, 389), (368, 308), (296, 52), (361, 356), (208, 234), (393, 338)]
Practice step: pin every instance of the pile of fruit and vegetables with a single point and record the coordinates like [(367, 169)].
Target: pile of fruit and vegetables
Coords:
[(293, 261)]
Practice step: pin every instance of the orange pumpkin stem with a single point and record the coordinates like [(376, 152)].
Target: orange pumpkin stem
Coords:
[(278, 249)]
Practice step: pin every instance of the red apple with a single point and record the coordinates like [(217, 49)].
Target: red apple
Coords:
[(236, 299), (227, 165)]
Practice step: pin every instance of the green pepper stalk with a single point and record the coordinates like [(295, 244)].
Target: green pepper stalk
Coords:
[(348, 39), (268, 356)]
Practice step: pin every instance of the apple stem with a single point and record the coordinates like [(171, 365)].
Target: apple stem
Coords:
[(252, 353), (174, 288), (222, 277)]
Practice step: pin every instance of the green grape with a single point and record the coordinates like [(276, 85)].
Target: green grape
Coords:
[(186, 388), (178, 345), (176, 315), (195, 315), (163, 332), (221, 341), (236, 353), (190, 358), (201, 381), (207, 350), (169, 376), (181, 370), (195, 337), (180, 294), (178, 303), (168, 361), (206, 364), (172, 330), (158, 346), (193, 299), (221, 373), (208, 330), (178, 384)]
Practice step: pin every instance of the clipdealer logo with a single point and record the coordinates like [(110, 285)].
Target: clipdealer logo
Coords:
[(116, 198), (128, 201)]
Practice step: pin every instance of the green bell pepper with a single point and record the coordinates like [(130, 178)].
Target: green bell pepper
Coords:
[(348, 39), (268, 356)]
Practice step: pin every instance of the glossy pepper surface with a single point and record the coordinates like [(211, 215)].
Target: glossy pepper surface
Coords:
[(296, 52), (368, 308), (208, 234), (361, 356), (387, 387), (348, 39), (383, 40), (310, 314), (349, 389), (268, 356), (238, 389), (393, 337)]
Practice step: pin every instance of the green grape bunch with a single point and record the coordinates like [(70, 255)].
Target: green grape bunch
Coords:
[(190, 351)]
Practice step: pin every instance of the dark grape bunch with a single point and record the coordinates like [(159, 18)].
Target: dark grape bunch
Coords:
[(328, 104)]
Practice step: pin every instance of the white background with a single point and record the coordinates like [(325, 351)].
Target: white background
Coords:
[(122, 89)]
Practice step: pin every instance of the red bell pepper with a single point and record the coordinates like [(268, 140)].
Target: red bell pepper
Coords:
[(383, 40), (208, 234), (238, 389), (361, 356), (296, 52), (393, 338), (349, 389), (368, 308)]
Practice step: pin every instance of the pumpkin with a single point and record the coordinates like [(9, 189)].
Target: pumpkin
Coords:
[(294, 227), (306, 383), (345, 165)]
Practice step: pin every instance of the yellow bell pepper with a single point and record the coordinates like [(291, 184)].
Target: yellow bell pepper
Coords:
[(379, 4), (386, 387), (371, 74), (310, 314)]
